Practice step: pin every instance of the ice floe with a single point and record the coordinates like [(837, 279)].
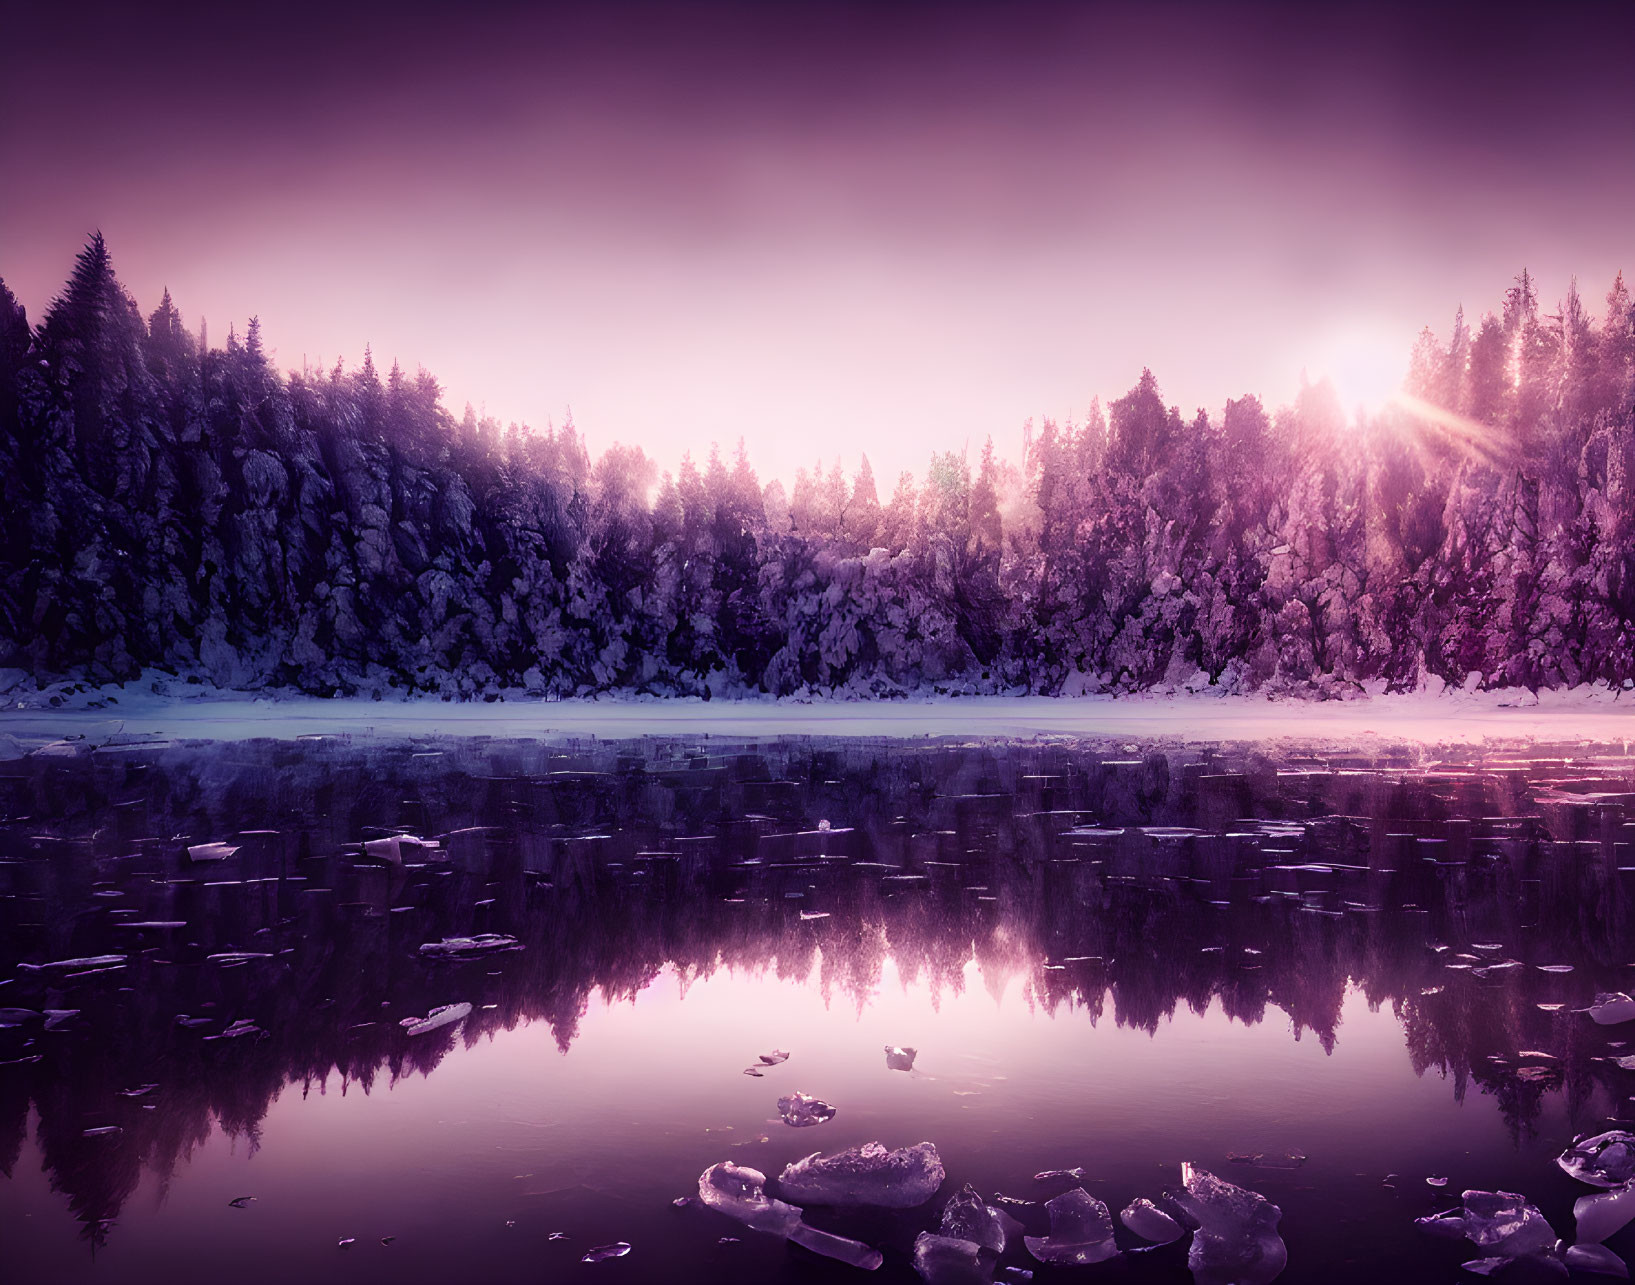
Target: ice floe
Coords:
[(866, 1175)]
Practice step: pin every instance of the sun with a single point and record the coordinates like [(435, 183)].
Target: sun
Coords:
[(1366, 365)]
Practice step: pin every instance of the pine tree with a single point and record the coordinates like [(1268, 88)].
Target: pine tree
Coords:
[(863, 508), (92, 341), (172, 351), (1141, 429), (14, 346), (1488, 386), (1578, 358), (1616, 364)]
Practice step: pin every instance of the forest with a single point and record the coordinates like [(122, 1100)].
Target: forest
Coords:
[(178, 508)]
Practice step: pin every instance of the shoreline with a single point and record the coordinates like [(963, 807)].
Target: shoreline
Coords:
[(1456, 717)]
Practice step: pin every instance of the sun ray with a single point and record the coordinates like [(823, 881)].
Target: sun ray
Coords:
[(1491, 444)]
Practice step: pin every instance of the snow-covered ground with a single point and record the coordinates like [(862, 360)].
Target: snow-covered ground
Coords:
[(1594, 714)]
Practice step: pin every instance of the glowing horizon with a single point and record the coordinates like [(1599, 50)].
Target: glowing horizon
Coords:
[(825, 232)]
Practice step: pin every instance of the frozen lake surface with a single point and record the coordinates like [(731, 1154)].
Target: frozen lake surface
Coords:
[(479, 1006)]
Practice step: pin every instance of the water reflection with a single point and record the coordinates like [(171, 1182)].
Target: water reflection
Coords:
[(1481, 899)]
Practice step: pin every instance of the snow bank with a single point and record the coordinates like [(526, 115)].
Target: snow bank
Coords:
[(1452, 716)]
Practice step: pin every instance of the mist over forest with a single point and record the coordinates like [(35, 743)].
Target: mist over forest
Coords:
[(177, 507)]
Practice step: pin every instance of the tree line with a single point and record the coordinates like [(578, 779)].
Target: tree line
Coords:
[(174, 506)]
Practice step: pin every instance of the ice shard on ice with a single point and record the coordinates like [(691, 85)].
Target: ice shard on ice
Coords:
[(1605, 1160), (801, 1110), (394, 849), (1597, 1260), (1236, 1241), (1604, 1213), (1611, 1008), (949, 1260), (469, 947), (967, 1216), (436, 1019), (1512, 1234), (866, 1175), (1081, 1230), (88, 961), (900, 1059), (1150, 1222), (740, 1192)]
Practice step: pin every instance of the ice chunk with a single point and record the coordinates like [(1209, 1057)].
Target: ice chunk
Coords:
[(1526, 1271), (1600, 1215), (753, 1070), (948, 1260), (1061, 1175), (740, 1192), (837, 1247), (1606, 1160), (1611, 1008), (436, 1019), (866, 1175), (774, 1058), (89, 961), (1598, 1259), (1150, 1222), (1081, 1231), (210, 851), (103, 1131), (1236, 1242), (238, 956), (11, 1018), (900, 1059), (967, 1216), (1445, 1226), (601, 1253), (800, 1110), (344, 1241), (1505, 1225), (243, 1026), (469, 947), (395, 848), (1268, 1159), (240, 1202)]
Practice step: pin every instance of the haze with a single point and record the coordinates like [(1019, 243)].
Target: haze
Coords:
[(825, 231)]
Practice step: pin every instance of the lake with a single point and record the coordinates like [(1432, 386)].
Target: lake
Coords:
[(1325, 976)]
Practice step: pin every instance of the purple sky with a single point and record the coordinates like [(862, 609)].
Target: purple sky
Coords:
[(825, 230)]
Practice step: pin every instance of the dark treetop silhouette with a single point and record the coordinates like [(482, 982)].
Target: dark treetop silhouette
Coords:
[(175, 507)]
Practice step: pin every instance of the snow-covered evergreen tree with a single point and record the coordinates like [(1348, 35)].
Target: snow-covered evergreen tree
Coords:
[(171, 505)]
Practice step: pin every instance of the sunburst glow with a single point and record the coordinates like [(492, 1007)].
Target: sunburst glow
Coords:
[(1365, 364)]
